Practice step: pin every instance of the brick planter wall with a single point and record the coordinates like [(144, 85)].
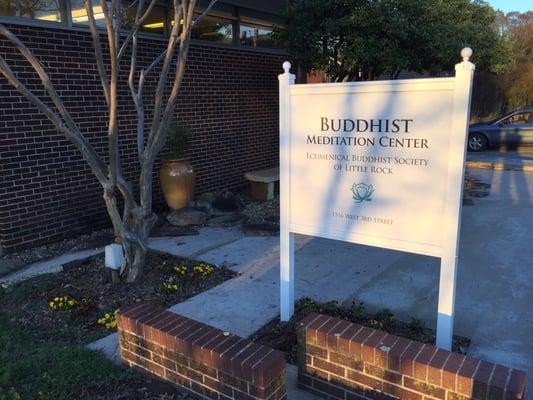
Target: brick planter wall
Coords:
[(229, 99), (200, 360), (341, 360)]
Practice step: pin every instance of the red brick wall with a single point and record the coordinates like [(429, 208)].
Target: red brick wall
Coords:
[(200, 360), (47, 193), (341, 360)]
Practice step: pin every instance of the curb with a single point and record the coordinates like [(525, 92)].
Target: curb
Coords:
[(499, 166)]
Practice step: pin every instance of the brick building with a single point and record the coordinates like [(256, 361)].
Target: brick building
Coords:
[(228, 100)]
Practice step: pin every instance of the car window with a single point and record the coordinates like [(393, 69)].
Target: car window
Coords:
[(518, 119)]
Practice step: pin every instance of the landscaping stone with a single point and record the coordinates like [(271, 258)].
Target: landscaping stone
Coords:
[(228, 201), (260, 227), (225, 220), (187, 216)]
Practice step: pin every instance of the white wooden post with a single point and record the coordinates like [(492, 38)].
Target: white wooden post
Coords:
[(464, 73), (286, 240)]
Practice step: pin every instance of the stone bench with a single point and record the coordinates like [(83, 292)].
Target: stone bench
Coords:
[(205, 362), (263, 183)]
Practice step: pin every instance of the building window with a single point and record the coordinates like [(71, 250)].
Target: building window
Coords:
[(256, 36), (44, 10), (214, 29), (79, 14), (154, 23)]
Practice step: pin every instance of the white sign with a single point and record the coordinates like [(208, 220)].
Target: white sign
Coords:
[(376, 163)]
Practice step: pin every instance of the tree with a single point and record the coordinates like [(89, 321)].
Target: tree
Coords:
[(132, 226), (363, 39), (518, 81)]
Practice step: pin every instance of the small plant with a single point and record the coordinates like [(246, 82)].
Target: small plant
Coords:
[(329, 307), (177, 139), (383, 319), (203, 269), (170, 286), (358, 311), (63, 303), (181, 270), (307, 305), (165, 264), (417, 326), (109, 320)]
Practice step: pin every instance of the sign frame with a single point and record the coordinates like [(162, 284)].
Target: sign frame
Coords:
[(461, 85)]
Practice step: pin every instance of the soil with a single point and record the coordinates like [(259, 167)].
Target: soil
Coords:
[(90, 284), (282, 335), (83, 242)]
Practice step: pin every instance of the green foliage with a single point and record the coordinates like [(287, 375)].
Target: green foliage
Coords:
[(383, 319), (416, 325), (363, 39), (31, 369), (177, 140), (329, 307), (518, 82), (358, 311)]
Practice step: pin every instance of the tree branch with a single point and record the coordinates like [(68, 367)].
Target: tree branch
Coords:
[(97, 45), (138, 22)]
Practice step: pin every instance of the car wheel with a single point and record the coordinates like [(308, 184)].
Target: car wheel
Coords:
[(477, 142)]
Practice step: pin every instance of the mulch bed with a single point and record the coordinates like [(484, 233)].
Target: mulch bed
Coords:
[(282, 335), (89, 284)]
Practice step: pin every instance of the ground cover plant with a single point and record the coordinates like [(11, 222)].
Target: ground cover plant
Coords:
[(282, 335), (33, 368), (45, 321), (79, 304)]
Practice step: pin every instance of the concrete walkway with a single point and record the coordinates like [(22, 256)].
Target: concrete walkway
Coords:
[(47, 266)]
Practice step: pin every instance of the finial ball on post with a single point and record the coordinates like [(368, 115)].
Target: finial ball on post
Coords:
[(466, 53), (286, 67)]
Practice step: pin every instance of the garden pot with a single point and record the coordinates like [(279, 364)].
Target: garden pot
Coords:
[(177, 183)]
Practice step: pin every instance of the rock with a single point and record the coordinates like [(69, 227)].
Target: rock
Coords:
[(224, 220), (187, 216), (228, 201), (204, 206), (206, 197), (170, 230), (260, 227)]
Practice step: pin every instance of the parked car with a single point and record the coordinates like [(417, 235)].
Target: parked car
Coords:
[(513, 130)]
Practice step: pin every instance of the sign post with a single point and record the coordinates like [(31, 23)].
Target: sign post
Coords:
[(376, 163), (286, 245), (464, 73)]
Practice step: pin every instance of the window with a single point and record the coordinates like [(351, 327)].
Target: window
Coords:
[(256, 36), (45, 10), (154, 23), (518, 119), (214, 30), (79, 14), (226, 24)]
